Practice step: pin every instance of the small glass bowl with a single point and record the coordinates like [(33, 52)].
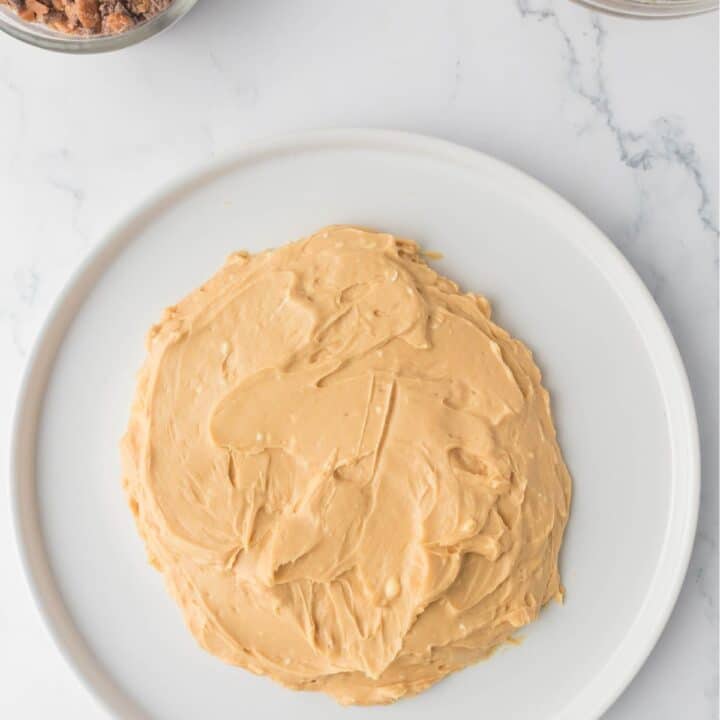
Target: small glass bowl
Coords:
[(654, 8), (44, 37)]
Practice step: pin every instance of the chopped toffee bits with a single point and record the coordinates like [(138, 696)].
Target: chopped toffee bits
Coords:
[(88, 17)]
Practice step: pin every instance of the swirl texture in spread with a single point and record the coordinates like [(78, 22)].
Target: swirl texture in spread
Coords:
[(346, 472)]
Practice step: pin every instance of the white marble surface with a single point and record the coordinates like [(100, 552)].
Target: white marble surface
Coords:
[(619, 116)]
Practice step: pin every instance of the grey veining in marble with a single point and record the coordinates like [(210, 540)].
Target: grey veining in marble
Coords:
[(664, 140)]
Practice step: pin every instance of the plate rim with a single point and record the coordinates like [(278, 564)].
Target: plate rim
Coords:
[(673, 561)]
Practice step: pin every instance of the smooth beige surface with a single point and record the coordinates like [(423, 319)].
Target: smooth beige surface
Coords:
[(346, 472)]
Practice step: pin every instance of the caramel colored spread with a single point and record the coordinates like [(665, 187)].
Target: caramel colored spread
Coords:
[(346, 472)]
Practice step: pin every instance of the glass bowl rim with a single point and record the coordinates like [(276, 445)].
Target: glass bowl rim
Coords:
[(44, 37), (653, 8)]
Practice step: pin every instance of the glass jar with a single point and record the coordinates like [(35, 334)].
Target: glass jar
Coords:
[(654, 8), (44, 37)]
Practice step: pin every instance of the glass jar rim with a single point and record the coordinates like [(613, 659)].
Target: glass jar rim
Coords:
[(653, 8), (44, 37)]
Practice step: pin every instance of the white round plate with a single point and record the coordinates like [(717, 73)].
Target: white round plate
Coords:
[(620, 398)]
